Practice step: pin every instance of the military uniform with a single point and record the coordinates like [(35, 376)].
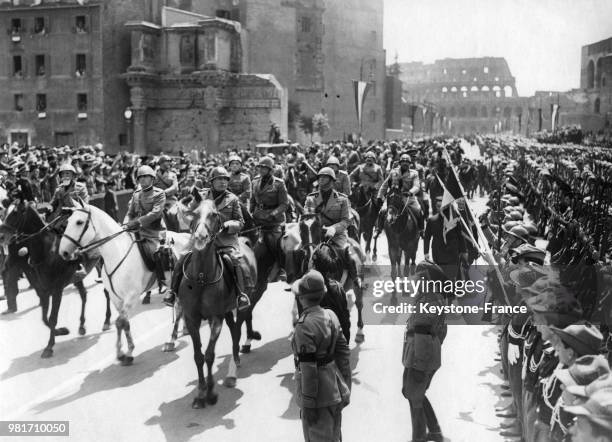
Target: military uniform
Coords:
[(445, 252), (410, 186), (370, 177), (168, 182), (240, 185), (334, 213), (343, 183), (323, 372), (64, 195), (147, 207)]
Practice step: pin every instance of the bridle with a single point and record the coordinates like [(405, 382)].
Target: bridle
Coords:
[(77, 242), (211, 237)]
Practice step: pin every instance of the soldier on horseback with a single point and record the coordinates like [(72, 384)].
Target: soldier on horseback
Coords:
[(369, 176), (145, 217), (407, 180), (268, 206), (239, 182), (343, 181), (333, 208), (228, 206), (166, 180)]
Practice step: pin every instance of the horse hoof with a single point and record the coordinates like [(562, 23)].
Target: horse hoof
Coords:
[(374, 258), (82, 331), (168, 346), (121, 357), (146, 300), (245, 349), (106, 326), (255, 336), (61, 331), (127, 360), (230, 382), (359, 338), (198, 403), (211, 398), (47, 353)]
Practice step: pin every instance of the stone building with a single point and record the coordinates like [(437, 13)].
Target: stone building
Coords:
[(461, 96), (596, 86), (187, 89), (60, 71)]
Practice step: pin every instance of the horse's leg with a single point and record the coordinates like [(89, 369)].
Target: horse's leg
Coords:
[(193, 325), (178, 312), (119, 343), (83, 294), (209, 356), (230, 380), (129, 358), (106, 325), (56, 300), (147, 298), (359, 336)]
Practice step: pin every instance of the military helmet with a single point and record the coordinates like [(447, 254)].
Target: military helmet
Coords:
[(266, 162), (145, 171), (405, 157), (311, 286), (519, 232), (163, 159), (219, 172), (370, 154), (67, 167), (510, 224), (234, 158), (327, 171), (333, 161), (516, 215)]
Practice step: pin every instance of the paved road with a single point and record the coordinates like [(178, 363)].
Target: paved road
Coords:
[(151, 400)]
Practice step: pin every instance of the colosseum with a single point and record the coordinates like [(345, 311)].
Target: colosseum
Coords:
[(466, 95)]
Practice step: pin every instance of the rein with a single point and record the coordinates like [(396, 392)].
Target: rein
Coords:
[(22, 237)]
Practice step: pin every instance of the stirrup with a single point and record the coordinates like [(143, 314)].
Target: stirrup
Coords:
[(243, 302)]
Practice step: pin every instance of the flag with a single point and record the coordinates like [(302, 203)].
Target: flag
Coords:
[(361, 89), (554, 110), (539, 119)]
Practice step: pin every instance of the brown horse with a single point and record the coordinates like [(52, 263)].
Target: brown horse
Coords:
[(365, 205), (207, 292)]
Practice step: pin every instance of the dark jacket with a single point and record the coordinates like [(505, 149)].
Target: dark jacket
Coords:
[(443, 252)]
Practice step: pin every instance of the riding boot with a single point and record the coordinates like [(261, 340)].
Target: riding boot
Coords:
[(175, 282), (434, 432), (380, 221), (242, 299), (419, 423), (352, 268)]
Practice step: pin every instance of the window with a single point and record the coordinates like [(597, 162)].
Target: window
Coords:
[(474, 89), (41, 102), (485, 69), (496, 78), (444, 71), (15, 25), (81, 65), (444, 90), (82, 102), (17, 66), (306, 24), (39, 62), (80, 24), (39, 25), (18, 102), (454, 89), (223, 13)]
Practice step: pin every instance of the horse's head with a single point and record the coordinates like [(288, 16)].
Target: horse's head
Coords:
[(325, 260), (395, 205), (206, 224), (79, 230), (20, 219), (295, 254)]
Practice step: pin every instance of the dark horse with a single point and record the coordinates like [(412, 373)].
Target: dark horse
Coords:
[(402, 235), (364, 203), (207, 292), (299, 260), (47, 272)]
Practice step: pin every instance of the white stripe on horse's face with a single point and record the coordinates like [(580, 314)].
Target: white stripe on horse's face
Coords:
[(207, 225), (79, 230)]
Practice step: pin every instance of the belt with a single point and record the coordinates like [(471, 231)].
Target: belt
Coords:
[(311, 357)]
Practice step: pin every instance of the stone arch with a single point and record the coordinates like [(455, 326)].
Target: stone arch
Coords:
[(444, 90), (473, 111), (452, 112), (483, 112), (474, 89), (462, 112), (598, 69), (597, 106), (485, 89), (590, 76), (497, 91), (454, 89), (507, 112), (508, 91), (464, 91)]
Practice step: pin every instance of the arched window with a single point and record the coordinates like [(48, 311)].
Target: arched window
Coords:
[(507, 112), (444, 90), (473, 111), (497, 91), (598, 73), (462, 112), (483, 112), (507, 91), (454, 89), (485, 89), (464, 90), (597, 107), (485, 69), (590, 76), (474, 89)]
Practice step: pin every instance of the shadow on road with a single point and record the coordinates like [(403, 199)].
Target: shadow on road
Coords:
[(181, 423), (63, 352), (116, 376), (18, 314)]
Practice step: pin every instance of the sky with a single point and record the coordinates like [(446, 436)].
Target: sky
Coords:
[(540, 39)]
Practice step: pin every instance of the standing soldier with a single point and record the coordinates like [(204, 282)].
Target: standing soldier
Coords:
[(323, 371), (334, 211), (268, 206), (240, 183), (145, 217), (352, 158), (343, 181), (369, 175)]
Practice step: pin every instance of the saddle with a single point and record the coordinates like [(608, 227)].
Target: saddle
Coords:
[(145, 252)]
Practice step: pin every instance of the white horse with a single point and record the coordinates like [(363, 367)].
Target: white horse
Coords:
[(125, 274)]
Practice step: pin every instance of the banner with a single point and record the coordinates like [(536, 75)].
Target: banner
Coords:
[(540, 120), (361, 89), (554, 111)]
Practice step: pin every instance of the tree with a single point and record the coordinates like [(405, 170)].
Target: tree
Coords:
[(320, 124)]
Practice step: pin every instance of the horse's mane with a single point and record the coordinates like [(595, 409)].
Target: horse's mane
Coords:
[(324, 262)]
